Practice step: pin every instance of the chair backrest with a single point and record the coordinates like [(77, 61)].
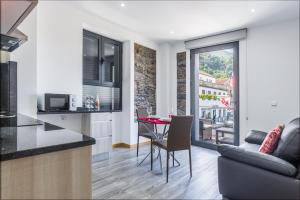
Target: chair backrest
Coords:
[(179, 136), (143, 127), (141, 113)]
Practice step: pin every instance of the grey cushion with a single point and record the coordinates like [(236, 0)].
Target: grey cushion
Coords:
[(250, 147), (289, 144), (298, 173), (255, 137), (260, 160)]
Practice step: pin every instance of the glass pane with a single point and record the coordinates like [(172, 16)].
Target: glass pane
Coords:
[(57, 102), (90, 58), (111, 62), (216, 105)]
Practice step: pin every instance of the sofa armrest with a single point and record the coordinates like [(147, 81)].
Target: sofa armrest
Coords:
[(255, 137), (260, 160)]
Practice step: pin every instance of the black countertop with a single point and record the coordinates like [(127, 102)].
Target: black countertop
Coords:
[(26, 138), (79, 110), (23, 120)]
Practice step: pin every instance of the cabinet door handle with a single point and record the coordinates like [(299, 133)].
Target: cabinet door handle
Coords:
[(101, 60), (7, 116)]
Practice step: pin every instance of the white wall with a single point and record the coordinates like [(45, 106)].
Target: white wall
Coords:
[(59, 61), (167, 78), (163, 93), (127, 117), (273, 74), (25, 56), (269, 71)]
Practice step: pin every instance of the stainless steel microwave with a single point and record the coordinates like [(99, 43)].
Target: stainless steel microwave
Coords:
[(54, 102)]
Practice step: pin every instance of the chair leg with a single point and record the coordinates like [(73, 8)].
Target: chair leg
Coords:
[(173, 157), (151, 149), (168, 156), (159, 154), (190, 157), (137, 148)]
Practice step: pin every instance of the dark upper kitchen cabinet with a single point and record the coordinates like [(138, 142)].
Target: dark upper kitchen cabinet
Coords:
[(111, 62), (102, 60), (91, 61)]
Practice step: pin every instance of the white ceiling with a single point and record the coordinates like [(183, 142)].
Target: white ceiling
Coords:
[(189, 19)]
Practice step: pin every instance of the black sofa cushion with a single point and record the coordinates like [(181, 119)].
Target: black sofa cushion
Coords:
[(298, 173), (256, 159), (289, 143), (255, 137), (242, 181)]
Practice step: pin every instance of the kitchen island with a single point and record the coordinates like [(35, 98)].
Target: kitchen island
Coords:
[(40, 160)]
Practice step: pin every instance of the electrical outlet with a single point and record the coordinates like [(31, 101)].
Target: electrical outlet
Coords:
[(274, 103)]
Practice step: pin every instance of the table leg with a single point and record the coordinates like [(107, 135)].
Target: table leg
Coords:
[(158, 152), (153, 150), (160, 160), (164, 132), (173, 157), (144, 159), (175, 160), (155, 127)]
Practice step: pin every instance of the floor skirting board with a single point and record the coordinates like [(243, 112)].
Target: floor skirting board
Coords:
[(124, 145)]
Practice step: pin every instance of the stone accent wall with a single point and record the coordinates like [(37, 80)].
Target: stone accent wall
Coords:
[(144, 77), (181, 83)]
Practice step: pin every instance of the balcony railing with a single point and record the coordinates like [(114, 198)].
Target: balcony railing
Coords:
[(213, 85)]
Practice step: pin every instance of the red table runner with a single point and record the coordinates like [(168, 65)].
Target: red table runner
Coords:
[(154, 120)]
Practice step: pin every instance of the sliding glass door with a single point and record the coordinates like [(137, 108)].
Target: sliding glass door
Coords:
[(215, 95)]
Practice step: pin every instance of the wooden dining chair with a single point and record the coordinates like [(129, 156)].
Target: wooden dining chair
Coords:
[(179, 138)]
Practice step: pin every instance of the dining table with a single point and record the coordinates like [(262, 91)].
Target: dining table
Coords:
[(165, 121)]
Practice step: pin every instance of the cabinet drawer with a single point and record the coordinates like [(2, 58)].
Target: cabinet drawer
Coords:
[(101, 129), (102, 145), (101, 117)]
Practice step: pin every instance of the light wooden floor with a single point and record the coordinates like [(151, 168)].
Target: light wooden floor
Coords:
[(120, 178)]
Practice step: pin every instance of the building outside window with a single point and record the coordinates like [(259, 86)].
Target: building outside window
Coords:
[(203, 114)]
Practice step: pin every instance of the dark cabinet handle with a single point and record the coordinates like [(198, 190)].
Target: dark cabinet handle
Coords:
[(7, 116), (101, 60)]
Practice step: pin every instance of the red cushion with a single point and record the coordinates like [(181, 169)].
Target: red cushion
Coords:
[(271, 140)]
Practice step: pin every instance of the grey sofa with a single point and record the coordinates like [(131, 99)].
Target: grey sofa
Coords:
[(245, 173)]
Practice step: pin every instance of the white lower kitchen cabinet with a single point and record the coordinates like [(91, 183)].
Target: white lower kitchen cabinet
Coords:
[(99, 126)]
